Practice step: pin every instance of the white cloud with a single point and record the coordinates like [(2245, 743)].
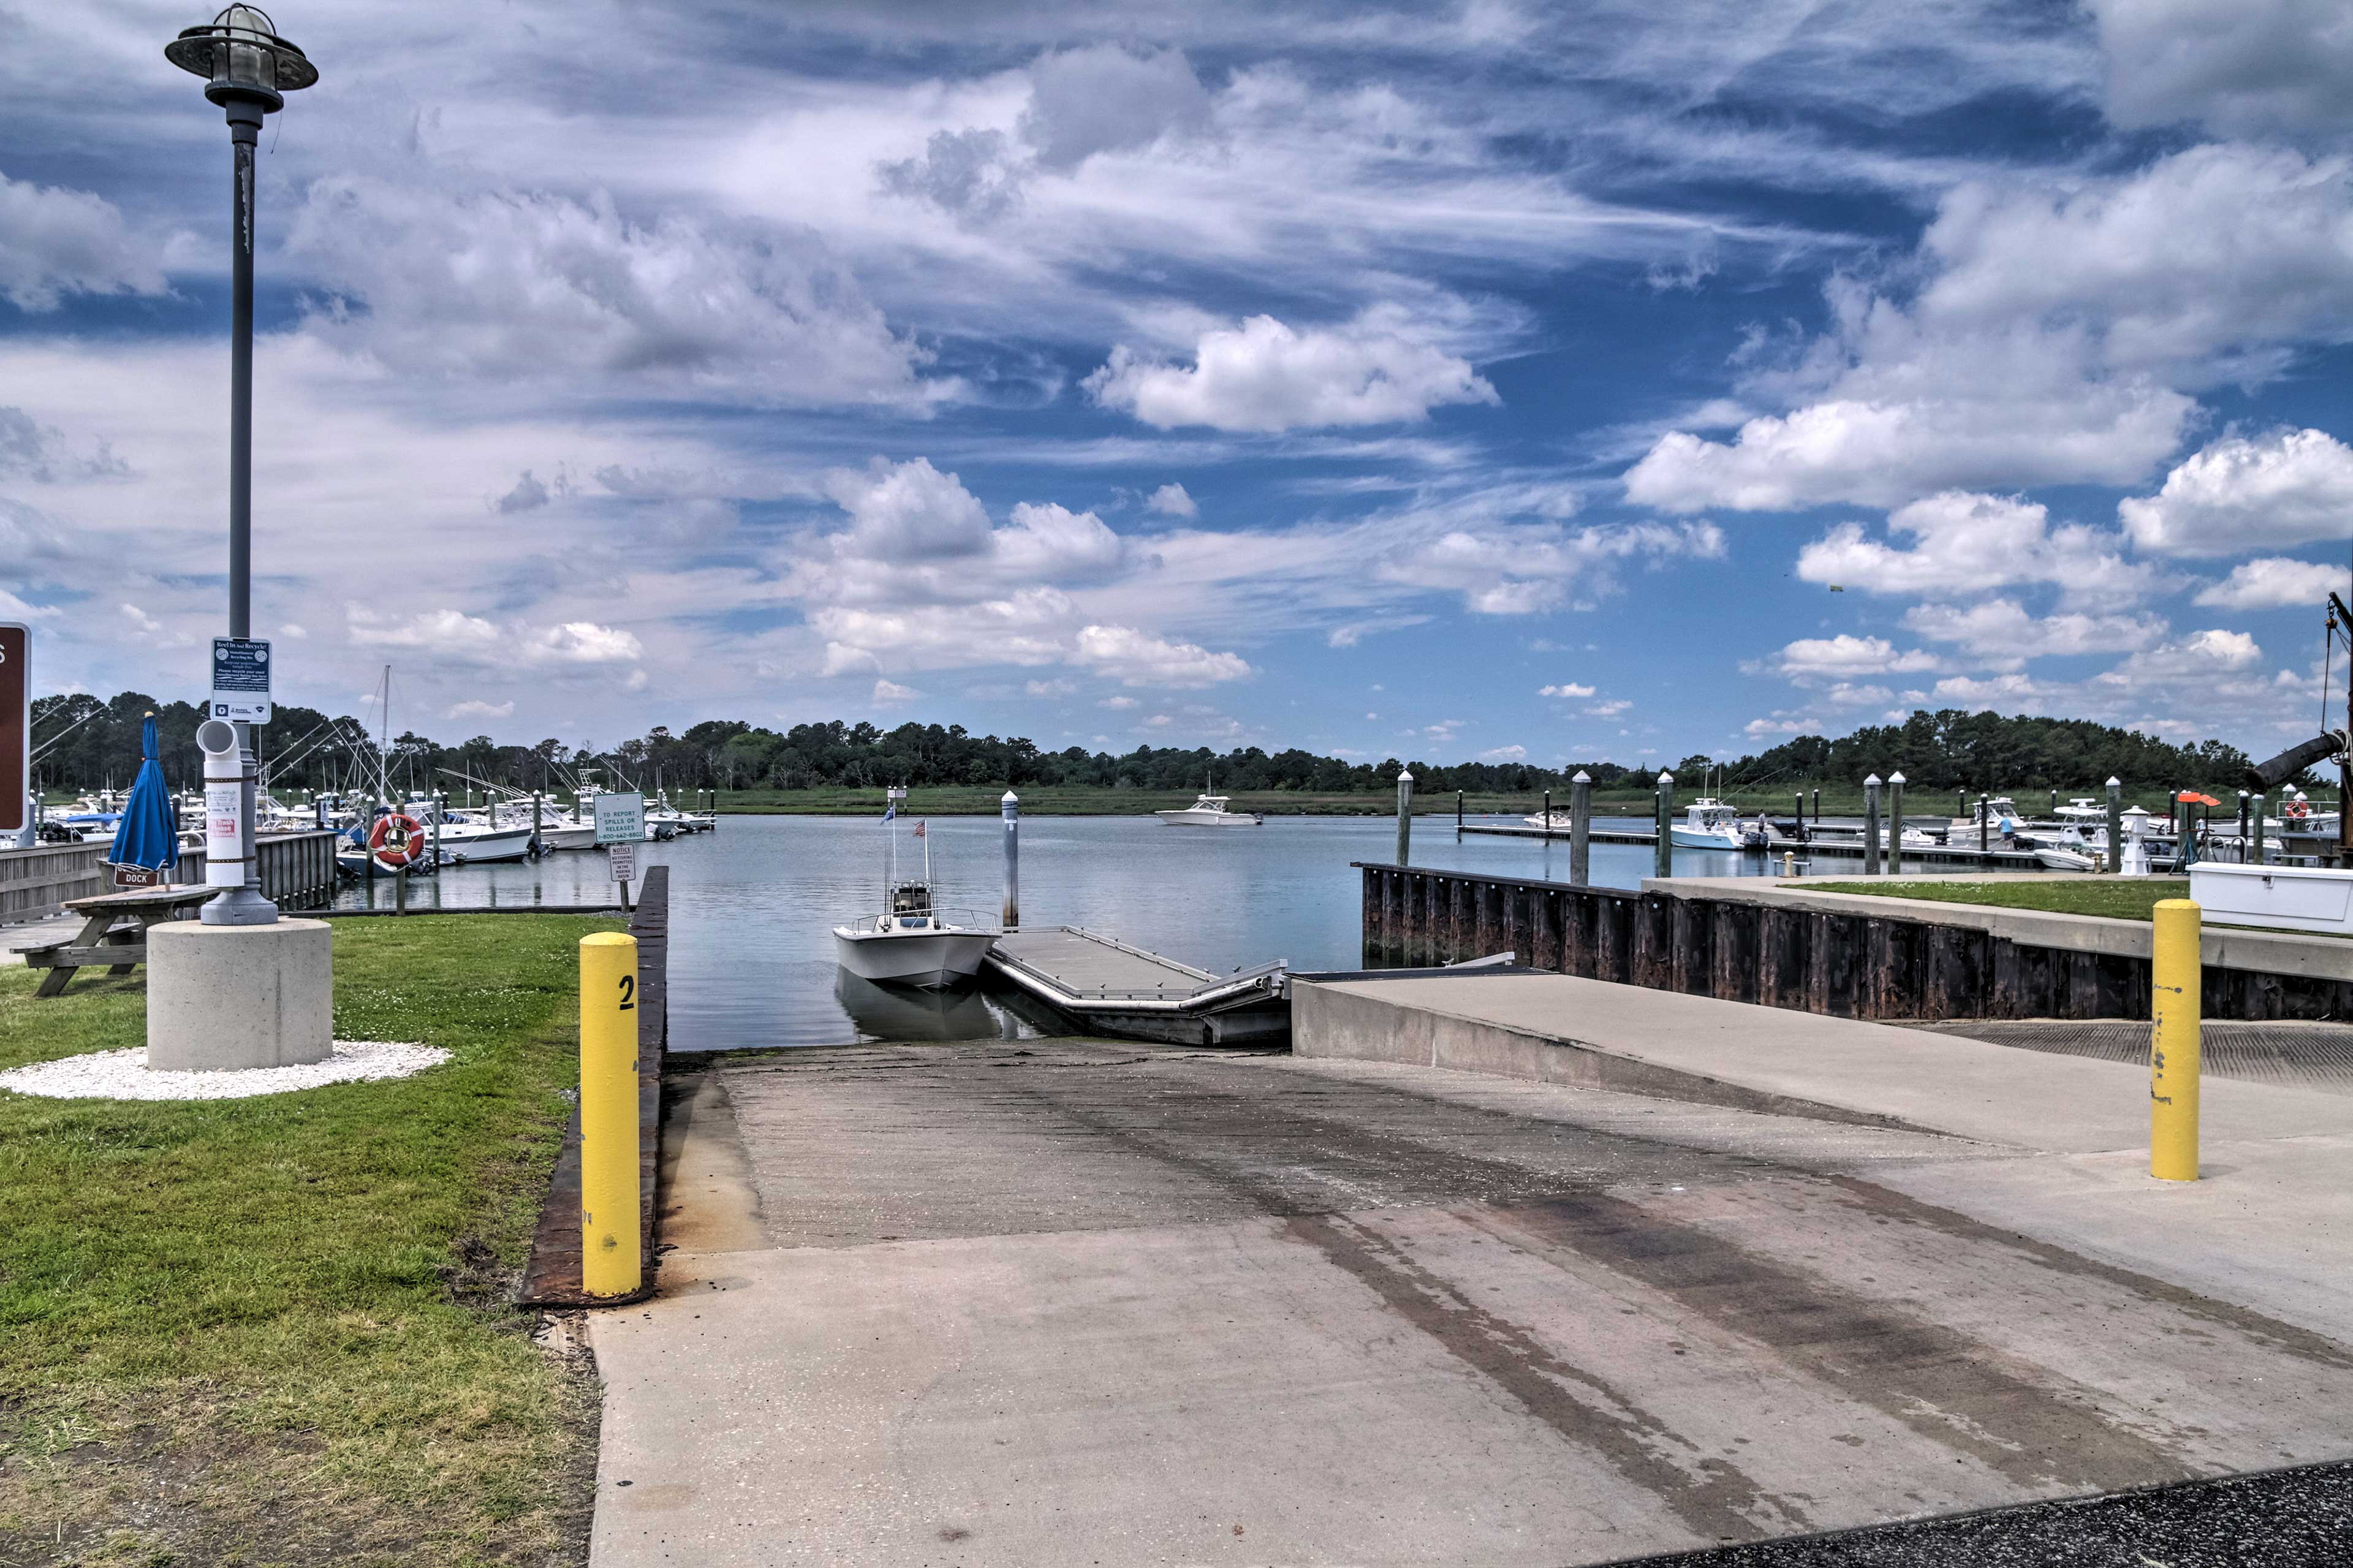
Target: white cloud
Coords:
[(2290, 486), (55, 242), (1566, 689), (1048, 689), (890, 692), (1846, 655), (1119, 702), (2003, 633), (580, 642), (1103, 97), (1965, 543), (1171, 501), (531, 285), (1780, 725), (476, 709), (1504, 755), (1266, 376), (1528, 568), (2242, 67), (447, 633), (1610, 709), (2200, 656), (2275, 582), (1139, 659)]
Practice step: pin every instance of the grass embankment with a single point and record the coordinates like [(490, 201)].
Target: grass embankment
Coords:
[(276, 1330), (2123, 899)]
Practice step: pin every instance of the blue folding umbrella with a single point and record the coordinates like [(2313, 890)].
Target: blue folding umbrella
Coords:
[(147, 837)]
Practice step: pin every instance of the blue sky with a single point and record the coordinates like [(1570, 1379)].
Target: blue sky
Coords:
[(1444, 381)]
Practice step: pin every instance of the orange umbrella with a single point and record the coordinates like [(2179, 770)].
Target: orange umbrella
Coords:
[(2192, 797)]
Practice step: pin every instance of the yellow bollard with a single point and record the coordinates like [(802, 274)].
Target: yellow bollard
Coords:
[(2174, 1005), (610, 1264)]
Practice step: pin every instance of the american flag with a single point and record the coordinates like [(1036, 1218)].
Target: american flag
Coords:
[(891, 813), (919, 830)]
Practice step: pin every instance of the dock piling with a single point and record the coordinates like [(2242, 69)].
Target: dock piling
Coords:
[(1458, 813), (2242, 825), (2116, 824), (1664, 860), (1985, 823), (2256, 840), (611, 1260), (2176, 1004), (1580, 828), (1870, 826), (1404, 817), (1895, 822), (1009, 808)]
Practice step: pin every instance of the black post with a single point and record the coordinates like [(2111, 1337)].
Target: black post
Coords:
[(1801, 817), (1818, 808), (1985, 825)]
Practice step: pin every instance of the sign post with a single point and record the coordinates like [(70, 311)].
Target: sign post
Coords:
[(17, 731), (620, 829)]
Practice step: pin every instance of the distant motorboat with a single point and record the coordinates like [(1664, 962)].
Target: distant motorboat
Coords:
[(1209, 811)]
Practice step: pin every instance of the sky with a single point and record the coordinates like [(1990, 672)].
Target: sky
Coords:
[(1434, 382)]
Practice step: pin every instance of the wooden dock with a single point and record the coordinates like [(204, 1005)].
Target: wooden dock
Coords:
[(1784, 843), (1112, 988)]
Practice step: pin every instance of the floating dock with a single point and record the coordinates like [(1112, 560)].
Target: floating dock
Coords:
[(1783, 841), (1111, 988)]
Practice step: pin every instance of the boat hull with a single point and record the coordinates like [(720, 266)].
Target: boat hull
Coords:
[(570, 836), (1192, 818), (926, 958), (1685, 839), (478, 849)]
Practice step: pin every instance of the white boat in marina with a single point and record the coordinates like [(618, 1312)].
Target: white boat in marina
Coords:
[(1710, 823), (912, 942), (1209, 811), (470, 838)]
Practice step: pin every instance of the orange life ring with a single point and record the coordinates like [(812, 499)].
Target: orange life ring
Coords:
[(408, 852), (2297, 808)]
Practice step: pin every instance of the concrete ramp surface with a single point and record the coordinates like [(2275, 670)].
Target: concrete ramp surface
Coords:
[(1082, 1302)]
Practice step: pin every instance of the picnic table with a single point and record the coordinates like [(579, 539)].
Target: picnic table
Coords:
[(114, 932)]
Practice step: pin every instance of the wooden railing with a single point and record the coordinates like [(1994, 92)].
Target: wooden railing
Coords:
[(37, 881), (298, 870), (1832, 961)]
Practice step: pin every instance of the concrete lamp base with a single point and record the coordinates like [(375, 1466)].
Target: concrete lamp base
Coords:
[(224, 997)]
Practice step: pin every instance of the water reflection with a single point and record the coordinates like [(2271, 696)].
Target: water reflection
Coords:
[(911, 1013)]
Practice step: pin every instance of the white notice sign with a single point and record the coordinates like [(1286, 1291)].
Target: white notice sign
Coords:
[(241, 680), (624, 857), (620, 819)]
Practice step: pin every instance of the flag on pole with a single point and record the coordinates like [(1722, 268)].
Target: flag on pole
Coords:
[(919, 830), (892, 812)]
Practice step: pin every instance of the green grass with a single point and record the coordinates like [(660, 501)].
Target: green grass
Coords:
[(275, 1331), (2123, 899)]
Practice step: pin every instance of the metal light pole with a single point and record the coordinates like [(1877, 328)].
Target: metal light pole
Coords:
[(248, 69)]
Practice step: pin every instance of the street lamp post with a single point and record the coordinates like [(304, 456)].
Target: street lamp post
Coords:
[(248, 69)]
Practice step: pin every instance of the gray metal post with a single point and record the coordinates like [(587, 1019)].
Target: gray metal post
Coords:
[(1405, 815), (1895, 822), (2257, 806), (2115, 824), (1870, 826), (1580, 828), (1663, 849), (1010, 808)]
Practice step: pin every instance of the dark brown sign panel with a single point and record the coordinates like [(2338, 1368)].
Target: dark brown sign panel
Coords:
[(16, 725)]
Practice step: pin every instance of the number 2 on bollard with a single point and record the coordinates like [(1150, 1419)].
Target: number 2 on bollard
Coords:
[(628, 992)]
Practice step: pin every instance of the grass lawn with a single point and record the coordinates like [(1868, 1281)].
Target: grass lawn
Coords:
[(2123, 899), (276, 1330)]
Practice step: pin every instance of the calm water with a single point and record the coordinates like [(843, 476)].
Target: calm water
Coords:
[(753, 905)]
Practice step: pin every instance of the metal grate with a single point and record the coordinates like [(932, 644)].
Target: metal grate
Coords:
[(2314, 1056)]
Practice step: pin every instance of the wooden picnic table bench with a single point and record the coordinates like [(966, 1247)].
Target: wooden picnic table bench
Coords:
[(105, 940)]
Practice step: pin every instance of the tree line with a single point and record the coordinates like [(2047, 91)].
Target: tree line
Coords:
[(86, 743)]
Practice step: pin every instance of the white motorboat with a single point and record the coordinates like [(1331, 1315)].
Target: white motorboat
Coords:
[(1708, 825), (560, 830), (911, 942), (469, 839), (1209, 811)]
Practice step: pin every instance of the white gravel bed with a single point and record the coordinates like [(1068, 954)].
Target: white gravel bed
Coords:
[(123, 1074)]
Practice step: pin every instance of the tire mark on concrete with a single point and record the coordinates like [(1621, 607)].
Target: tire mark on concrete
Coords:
[(1712, 1496), (2028, 1422)]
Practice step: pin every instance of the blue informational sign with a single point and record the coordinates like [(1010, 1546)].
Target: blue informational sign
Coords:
[(241, 680)]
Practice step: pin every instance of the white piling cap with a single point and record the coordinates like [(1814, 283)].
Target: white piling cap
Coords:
[(1896, 777), (2115, 782), (1665, 777), (1403, 777), (1871, 782), (1010, 798), (1582, 777)]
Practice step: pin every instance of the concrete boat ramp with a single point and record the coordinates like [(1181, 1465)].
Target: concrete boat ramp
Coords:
[(1663, 1274)]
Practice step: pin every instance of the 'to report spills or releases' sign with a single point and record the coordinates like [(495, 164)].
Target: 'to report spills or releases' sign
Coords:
[(624, 857), (241, 680), (620, 819), (16, 724)]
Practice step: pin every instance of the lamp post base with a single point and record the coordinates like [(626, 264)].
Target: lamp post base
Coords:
[(223, 1000), (238, 907)]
